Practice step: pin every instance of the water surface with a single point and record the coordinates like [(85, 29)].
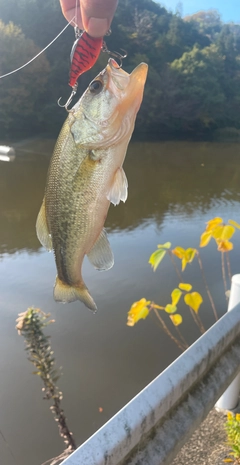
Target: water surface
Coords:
[(174, 188)]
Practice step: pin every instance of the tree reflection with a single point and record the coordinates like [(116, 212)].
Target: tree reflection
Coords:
[(164, 178)]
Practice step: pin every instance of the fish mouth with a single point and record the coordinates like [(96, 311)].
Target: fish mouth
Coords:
[(139, 74), (130, 83)]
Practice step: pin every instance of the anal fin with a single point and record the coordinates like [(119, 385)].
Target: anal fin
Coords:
[(101, 255), (119, 188), (42, 228)]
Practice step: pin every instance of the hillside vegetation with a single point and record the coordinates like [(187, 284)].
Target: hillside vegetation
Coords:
[(193, 86)]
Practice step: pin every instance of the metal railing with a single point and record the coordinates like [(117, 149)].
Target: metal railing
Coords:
[(152, 427)]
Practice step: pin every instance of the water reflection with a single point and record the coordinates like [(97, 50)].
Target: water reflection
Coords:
[(176, 177), (164, 178), (173, 189), (21, 190)]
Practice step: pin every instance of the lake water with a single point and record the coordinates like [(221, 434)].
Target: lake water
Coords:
[(174, 188)]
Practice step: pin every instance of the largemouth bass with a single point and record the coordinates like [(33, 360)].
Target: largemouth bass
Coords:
[(86, 174)]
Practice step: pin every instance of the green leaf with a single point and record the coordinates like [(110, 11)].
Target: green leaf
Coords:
[(234, 223), (186, 256), (138, 311), (211, 224), (184, 263), (217, 232), (205, 238), (224, 246), (194, 300), (190, 254), (228, 231), (185, 287), (170, 308), (176, 294), (156, 258), (167, 245), (179, 252), (176, 319)]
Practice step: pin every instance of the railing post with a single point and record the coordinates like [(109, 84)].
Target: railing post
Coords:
[(230, 398)]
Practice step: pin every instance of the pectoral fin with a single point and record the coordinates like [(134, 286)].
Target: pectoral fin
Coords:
[(42, 228), (101, 255), (119, 188)]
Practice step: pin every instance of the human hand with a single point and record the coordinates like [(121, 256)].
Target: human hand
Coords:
[(94, 16)]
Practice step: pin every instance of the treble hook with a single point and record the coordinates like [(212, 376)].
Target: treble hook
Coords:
[(114, 54), (74, 91)]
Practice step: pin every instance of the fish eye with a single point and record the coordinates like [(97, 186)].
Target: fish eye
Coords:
[(96, 86)]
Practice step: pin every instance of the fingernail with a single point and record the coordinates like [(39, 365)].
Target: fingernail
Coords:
[(97, 27)]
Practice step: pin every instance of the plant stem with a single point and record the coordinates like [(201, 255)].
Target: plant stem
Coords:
[(175, 266), (229, 267), (165, 328), (181, 337), (197, 320), (30, 324), (59, 459), (206, 285), (224, 273)]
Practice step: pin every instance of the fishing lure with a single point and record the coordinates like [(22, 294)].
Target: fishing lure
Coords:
[(84, 55)]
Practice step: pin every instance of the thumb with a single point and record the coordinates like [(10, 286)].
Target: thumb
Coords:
[(97, 16)]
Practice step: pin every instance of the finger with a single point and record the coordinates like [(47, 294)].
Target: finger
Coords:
[(70, 11), (97, 16)]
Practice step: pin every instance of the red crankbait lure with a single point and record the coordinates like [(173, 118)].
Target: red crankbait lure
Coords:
[(84, 54)]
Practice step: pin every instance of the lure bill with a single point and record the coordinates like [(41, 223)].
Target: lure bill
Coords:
[(86, 175)]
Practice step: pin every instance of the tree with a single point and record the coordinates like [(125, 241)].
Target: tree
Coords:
[(200, 93), (193, 83), (19, 93), (207, 22)]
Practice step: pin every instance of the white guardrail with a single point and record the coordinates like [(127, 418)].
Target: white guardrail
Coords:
[(154, 425)]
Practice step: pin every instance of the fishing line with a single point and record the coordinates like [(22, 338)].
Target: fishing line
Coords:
[(75, 17), (38, 54)]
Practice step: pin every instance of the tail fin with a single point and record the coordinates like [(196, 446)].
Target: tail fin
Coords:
[(65, 293)]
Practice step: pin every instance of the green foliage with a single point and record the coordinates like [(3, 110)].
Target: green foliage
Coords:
[(159, 254), (233, 434), (193, 84), (221, 233), (200, 93), (207, 22), (193, 300), (18, 95), (186, 256)]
